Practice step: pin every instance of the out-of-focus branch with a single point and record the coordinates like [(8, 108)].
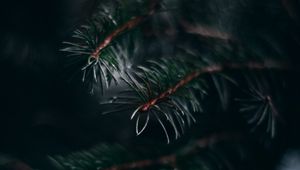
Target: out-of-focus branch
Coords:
[(205, 31), (172, 159)]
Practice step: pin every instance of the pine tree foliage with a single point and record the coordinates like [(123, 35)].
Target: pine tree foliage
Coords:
[(169, 88), (147, 83), (172, 65)]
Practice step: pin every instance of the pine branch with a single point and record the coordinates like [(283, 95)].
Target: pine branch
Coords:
[(96, 42), (172, 159), (131, 24), (206, 70), (167, 89), (162, 101), (111, 157)]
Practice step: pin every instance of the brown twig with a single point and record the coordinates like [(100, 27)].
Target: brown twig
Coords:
[(171, 159), (131, 24), (205, 31)]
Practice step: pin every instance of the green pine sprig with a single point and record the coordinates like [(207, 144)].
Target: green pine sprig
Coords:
[(97, 44)]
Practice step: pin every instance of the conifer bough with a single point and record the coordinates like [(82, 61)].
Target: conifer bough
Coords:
[(157, 82)]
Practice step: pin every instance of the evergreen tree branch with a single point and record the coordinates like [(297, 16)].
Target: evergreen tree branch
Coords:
[(164, 89), (210, 69), (111, 156), (172, 159), (94, 43), (175, 108), (131, 24)]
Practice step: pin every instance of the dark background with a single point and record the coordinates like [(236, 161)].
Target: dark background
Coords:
[(39, 108), (41, 112)]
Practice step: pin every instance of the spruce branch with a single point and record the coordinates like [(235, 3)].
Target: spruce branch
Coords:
[(95, 43), (166, 91), (127, 26), (172, 159), (111, 156)]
